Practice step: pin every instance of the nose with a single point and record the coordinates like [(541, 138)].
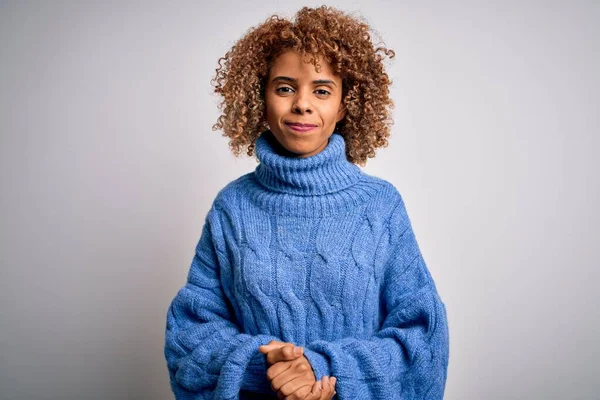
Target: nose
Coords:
[(301, 103)]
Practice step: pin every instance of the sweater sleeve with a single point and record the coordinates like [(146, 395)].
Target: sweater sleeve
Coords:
[(207, 355), (407, 358)]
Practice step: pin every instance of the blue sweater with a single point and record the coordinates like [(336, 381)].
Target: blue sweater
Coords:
[(315, 252)]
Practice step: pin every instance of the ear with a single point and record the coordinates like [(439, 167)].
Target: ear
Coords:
[(341, 112)]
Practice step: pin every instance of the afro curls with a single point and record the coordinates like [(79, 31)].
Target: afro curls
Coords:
[(342, 40)]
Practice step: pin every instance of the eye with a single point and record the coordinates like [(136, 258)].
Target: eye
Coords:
[(284, 89), (323, 92)]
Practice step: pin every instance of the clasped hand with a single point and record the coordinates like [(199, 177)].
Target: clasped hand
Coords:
[(291, 374)]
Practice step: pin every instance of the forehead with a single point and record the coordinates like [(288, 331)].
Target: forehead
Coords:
[(292, 63)]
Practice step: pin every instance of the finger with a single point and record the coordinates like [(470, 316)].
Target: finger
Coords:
[(328, 388), (334, 381), (290, 387), (293, 372), (300, 394), (315, 391), (277, 369), (286, 353), (272, 345), (326, 392)]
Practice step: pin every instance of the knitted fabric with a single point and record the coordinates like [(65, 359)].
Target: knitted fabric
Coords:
[(315, 252)]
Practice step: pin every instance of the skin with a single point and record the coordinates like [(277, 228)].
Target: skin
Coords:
[(301, 99), (291, 374)]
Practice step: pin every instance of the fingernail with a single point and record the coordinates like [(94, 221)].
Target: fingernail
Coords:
[(297, 351)]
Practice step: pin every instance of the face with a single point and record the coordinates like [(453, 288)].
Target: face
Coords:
[(297, 94)]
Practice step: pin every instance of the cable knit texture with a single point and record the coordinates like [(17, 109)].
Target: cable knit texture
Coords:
[(315, 252)]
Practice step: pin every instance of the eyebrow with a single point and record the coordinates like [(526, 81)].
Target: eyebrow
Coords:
[(315, 82)]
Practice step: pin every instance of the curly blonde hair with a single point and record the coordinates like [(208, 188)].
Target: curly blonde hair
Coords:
[(344, 42)]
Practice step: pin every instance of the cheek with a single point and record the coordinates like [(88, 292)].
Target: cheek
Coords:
[(332, 111), (274, 107), (269, 111)]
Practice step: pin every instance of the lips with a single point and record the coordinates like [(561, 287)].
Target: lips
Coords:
[(301, 125)]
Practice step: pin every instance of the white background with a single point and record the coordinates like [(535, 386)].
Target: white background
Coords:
[(108, 166)]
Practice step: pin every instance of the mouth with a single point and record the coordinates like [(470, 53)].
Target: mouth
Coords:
[(300, 127)]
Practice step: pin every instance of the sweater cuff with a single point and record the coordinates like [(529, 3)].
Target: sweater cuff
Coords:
[(255, 376), (318, 362)]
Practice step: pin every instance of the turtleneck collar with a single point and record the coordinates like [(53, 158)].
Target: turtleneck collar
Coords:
[(325, 172)]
